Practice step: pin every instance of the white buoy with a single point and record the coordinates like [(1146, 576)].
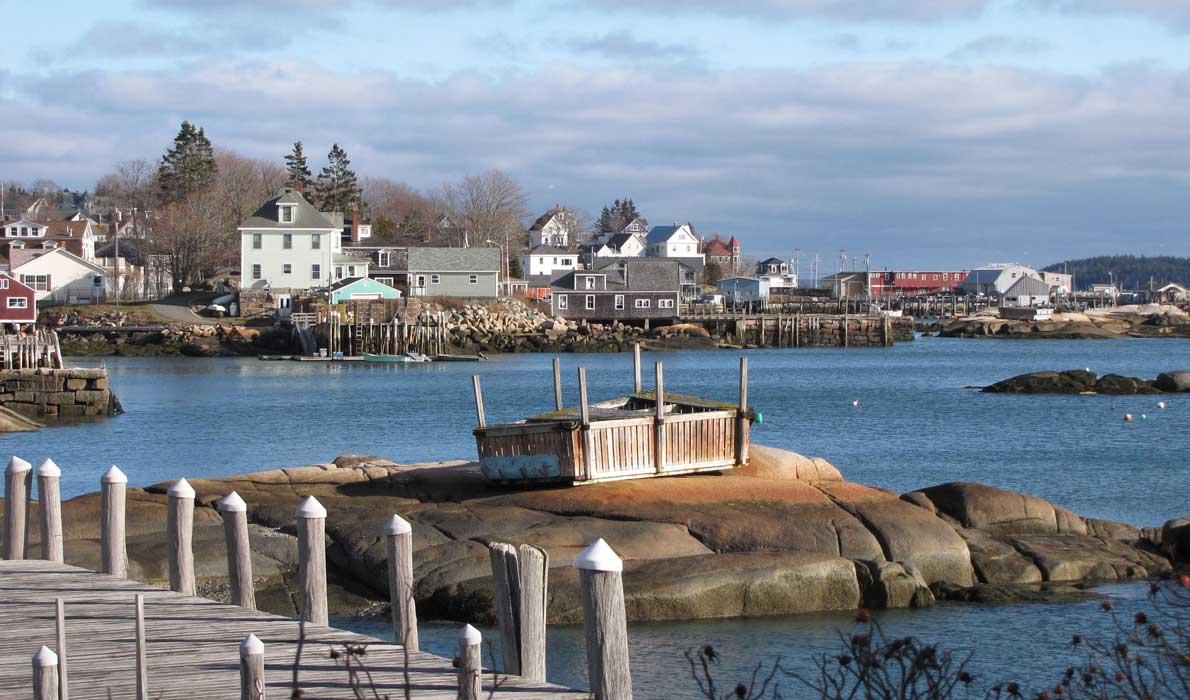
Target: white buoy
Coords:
[(1144, 416), (855, 403), (1127, 417), (1161, 405)]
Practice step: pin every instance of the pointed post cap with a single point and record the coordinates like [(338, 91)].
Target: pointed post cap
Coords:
[(468, 636), (16, 465), (181, 489), (232, 503), (45, 657), (310, 508), (397, 526), (251, 646), (114, 476), (48, 468), (598, 557)]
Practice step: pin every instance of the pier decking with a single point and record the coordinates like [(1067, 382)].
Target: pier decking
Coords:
[(193, 645)]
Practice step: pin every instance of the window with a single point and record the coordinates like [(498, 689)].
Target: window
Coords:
[(643, 303), (945, 276), (98, 281), (316, 272), (287, 241), (256, 241), (590, 282), (338, 270), (286, 213), (435, 279), (256, 272), (3, 283), (382, 258), (665, 303), (18, 303), (561, 302), (39, 283), (315, 242), (351, 270), (385, 280), (619, 302), (286, 269), (421, 280), (935, 277), (590, 302), (473, 279)]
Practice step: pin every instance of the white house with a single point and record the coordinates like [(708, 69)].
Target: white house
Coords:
[(76, 236), (61, 276), (677, 241), (546, 260), (289, 244), (556, 228), (1027, 292), (996, 278), (777, 272)]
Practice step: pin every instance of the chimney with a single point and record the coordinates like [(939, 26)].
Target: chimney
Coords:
[(355, 223)]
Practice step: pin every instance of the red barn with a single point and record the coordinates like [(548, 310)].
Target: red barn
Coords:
[(914, 282), (17, 301)]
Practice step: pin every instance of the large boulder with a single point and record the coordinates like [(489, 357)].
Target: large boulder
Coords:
[(1119, 385), (1175, 539), (1069, 382), (997, 510), (1173, 382), (776, 464)]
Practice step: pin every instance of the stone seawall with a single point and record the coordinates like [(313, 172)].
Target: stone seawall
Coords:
[(58, 393)]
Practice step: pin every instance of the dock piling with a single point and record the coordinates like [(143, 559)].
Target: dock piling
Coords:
[(251, 668), (45, 674), (113, 550), (534, 566), (239, 556), (741, 421), (506, 576), (142, 660), (17, 478), (60, 643), (637, 384), (557, 384), (400, 581), (180, 529), (479, 417), (470, 664), (605, 623), (659, 421), (311, 530), (49, 494)]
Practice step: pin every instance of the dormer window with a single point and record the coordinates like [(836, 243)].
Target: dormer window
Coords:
[(285, 213)]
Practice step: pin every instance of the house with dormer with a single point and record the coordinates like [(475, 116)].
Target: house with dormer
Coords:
[(553, 245), (676, 241), (778, 274), (78, 237), (725, 254)]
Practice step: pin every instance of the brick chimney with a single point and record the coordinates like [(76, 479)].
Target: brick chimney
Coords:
[(355, 223)]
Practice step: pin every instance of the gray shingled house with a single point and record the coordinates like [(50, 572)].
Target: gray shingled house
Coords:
[(631, 289), (454, 272)]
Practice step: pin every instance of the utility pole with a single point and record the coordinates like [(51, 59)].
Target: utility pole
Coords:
[(797, 278)]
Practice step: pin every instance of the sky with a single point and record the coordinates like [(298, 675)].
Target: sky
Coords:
[(924, 133)]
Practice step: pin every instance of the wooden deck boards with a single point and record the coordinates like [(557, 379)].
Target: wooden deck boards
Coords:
[(193, 644)]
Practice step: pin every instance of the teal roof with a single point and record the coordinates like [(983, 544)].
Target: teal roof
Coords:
[(343, 289)]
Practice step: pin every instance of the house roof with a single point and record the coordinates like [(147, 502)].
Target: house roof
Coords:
[(129, 250), (550, 250), (56, 251), (640, 274), (454, 259), (1173, 286), (717, 248), (733, 242), (1028, 286), (14, 281), (661, 234), (545, 219), (617, 241), (349, 281), (772, 261), (306, 216)]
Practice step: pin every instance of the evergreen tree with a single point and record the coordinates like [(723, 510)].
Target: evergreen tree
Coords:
[(188, 167), (337, 186), (606, 221), (628, 212), (614, 218), (299, 171)]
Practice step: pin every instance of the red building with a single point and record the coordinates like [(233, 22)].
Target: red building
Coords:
[(912, 283), (17, 301)]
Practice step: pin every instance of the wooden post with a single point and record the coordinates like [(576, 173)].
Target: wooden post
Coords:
[(585, 417), (605, 623), (311, 530), (478, 400), (17, 478), (741, 421), (60, 638), (659, 455), (49, 495), (557, 384), (239, 555), (113, 552), (637, 384), (470, 664), (534, 571), (400, 582), (45, 674), (142, 660), (507, 579), (251, 668), (180, 529)]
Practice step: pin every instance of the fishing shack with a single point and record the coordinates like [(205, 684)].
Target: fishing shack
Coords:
[(643, 434)]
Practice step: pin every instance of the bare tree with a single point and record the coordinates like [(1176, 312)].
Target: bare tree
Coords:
[(400, 214), (243, 184), (194, 237), (488, 209), (130, 184)]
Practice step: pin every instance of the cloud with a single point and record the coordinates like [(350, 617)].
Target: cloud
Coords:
[(136, 40), (852, 10), (626, 47), (1175, 13), (992, 45), (846, 42), (917, 163)]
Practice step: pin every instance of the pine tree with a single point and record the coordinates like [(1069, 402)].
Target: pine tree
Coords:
[(188, 167), (628, 212), (299, 171), (337, 187), (606, 221)]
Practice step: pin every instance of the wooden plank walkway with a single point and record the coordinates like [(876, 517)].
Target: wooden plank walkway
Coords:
[(193, 645)]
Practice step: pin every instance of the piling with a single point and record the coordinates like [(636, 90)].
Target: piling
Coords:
[(637, 385), (605, 623), (534, 566), (113, 552), (400, 581), (741, 429), (311, 530), (239, 555), (142, 660), (470, 664), (659, 421), (45, 674), (251, 669), (17, 478), (49, 494), (479, 417), (180, 528), (507, 580), (60, 639), (557, 384)]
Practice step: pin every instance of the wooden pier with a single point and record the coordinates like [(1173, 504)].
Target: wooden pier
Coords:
[(193, 645)]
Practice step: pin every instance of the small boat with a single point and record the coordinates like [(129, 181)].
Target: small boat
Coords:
[(457, 358), (375, 357)]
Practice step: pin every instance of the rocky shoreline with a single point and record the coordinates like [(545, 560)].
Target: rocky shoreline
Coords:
[(786, 534), (1082, 381), (1150, 321)]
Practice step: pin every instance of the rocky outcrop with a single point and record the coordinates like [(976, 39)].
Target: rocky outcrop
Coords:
[(784, 535), (224, 340), (1079, 381), (1173, 382), (1148, 321)]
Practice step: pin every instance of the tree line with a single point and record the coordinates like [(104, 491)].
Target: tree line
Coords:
[(1127, 271)]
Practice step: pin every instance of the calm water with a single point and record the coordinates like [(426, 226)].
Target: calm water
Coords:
[(917, 424)]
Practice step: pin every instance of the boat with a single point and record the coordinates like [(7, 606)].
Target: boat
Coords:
[(395, 359), (457, 358)]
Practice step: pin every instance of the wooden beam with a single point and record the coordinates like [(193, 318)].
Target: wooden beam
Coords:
[(479, 417), (558, 384)]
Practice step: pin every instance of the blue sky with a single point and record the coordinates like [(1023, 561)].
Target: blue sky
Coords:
[(923, 132)]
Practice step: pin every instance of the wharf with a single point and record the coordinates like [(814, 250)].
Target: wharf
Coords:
[(193, 645)]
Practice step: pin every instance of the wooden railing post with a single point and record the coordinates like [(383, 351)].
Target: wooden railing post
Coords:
[(507, 580), (659, 455), (400, 582), (113, 551), (311, 530), (17, 478), (60, 638), (251, 668), (605, 623), (557, 384), (142, 657), (49, 494), (637, 384), (585, 426), (180, 528), (534, 567), (239, 554), (479, 417), (741, 421), (45, 674), (470, 664)]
